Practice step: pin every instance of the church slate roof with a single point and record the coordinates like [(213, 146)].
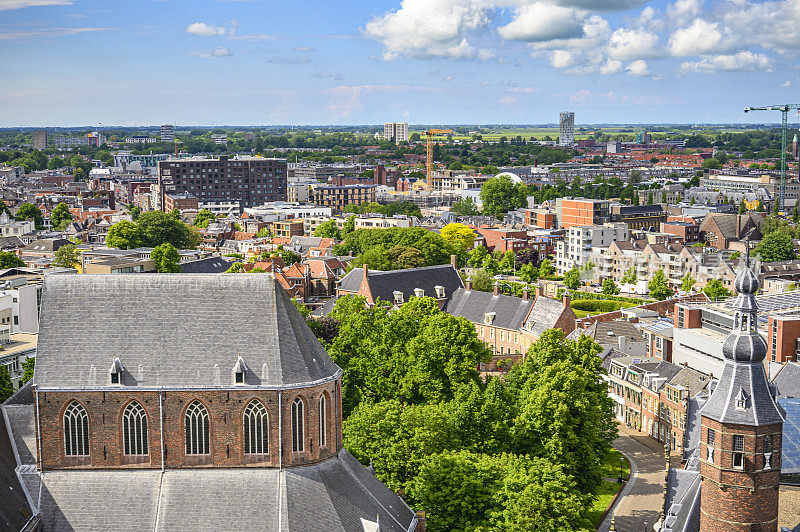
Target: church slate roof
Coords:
[(788, 380), (384, 284), (337, 494), (510, 312), (13, 502), (174, 331), (207, 265)]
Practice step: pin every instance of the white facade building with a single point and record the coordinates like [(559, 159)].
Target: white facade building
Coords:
[(395, 130), (167, 133), (566, 128), (140, 139), (581, 241)]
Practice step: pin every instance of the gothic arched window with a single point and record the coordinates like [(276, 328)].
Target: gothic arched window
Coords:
[(298, 424), (134, 430), (256, 428), (76, 430), (323, 422), (197, 429)]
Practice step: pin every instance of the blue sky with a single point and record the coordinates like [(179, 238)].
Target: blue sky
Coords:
[(132, 62)]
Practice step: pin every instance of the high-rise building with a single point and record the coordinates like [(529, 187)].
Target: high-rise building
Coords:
[(396, 131), (566, 128), (40, 139), (250, 181), (167, 133)]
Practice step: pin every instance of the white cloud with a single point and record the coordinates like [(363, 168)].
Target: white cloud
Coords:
[(700, 37), (562, 59), (486, 54), (626, 44), (786, 83), (603, 5), (611, 66), (45, 33), (8, 5), (213, 54), (508, 100), (304, 49), (428, 28), (204, 30), (739, 62), (638, 68), (542, 21), (682, 11)]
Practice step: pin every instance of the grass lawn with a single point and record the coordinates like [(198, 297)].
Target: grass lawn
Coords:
[(607, 490)]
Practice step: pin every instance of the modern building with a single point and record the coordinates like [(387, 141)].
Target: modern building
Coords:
[(337, 198), (145, 439), (395, 131), (644, 217), (140, 139), (250, 181), (221, 138), (581, 211), (95, 138), (40, 139), (566, 128), (182, 202), (581, 241), (167, 133), (67, 141), (124, 159)]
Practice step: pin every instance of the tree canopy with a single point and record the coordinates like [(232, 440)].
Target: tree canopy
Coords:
[(60, 217), (166, 258), (658, 286), (151, 230), (432, 247), (572, 279), (29, 211), (327, 229), (66, 256), (459, 235), (500, 195), (10, 260), (465, 207), (714, 289), (203, 218)]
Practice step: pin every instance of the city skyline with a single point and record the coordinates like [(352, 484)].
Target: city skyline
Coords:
[(76, 62)]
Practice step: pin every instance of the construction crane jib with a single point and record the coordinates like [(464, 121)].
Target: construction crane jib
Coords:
[(429, 152), (784, 109)]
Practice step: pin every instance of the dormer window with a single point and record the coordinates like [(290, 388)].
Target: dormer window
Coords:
[(115, 372), (239, 371), (398, 297), (488, 318), (741, 400), (419, 292), (439, 291)]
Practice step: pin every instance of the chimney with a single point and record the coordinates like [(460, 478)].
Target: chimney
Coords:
[(454, 261), (623, 343), (496, 290), (539, 291), (526, 293), (567, 299), (469, 283), (366, 271)]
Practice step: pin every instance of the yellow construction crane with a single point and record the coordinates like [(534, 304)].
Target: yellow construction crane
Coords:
[(429, 158)]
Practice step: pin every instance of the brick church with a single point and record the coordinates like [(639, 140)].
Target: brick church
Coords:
[(186, 402), (732, 478)]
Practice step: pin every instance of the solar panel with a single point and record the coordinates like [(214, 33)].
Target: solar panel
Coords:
[(791, 436)]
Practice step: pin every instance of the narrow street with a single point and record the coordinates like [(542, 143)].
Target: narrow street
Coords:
[(639, 505)]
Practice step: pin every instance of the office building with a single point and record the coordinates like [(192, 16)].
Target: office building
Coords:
[(167, 133), (248, 181), (123, 159), (566, 128), (40, 139), (221, 139), (395, 131), (581, 211), (69, 141), (139, 139), (96, 139)]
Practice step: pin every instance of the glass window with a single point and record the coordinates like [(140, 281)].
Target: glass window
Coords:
[(134, 430), (297, 426), (323, 422), (197, 429), (256, 429), (76, 430)]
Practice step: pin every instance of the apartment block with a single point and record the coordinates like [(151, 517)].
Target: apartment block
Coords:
[(248, 181), (182, 202), (337, 198), (395, 131), (167, 133), (581, 241), (40, 139), (581, 211)]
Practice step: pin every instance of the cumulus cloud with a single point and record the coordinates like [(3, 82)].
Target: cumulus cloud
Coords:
[(626, 44), (542, 21), (213, 54), (304, 49), (205, 30), (611, 66), (523, 90), (739, 62), (638, 68), (682, 11), (786, 83), (428, 28), (700, 37), (8, 5)]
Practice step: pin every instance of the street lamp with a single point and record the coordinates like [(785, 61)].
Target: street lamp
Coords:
[(621, 464)]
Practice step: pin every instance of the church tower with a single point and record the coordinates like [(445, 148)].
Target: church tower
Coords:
[(741, 426)]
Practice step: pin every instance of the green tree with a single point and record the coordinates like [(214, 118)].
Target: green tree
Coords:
[(433, 246), (610, 288), (742, 208), (60, 217), (546, 269), (776, 245), (158, 227), (415, 353), (29, 211), (477, 256), (203, 218), (630, 276), (236, 267), (658, 286), (459, 236), (714, 289), (465, 207), (124, 235), (327, 229), (482, 280), (289, 257), (500, 195), (6, 386), (687, 282), (507, 262), (572, 279), (27, 367), (349, 226), (795, 214), (66, 256), (10, 260), (166, 258), (528, 272)]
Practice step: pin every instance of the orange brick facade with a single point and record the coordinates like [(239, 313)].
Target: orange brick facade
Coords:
[(167, 409)]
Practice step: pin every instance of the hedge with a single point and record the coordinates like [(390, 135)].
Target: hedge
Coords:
[(596, 305)]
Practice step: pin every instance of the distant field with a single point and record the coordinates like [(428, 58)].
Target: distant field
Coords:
[(539, 133)]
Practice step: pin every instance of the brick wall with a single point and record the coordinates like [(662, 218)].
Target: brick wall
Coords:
[(226, 411)]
